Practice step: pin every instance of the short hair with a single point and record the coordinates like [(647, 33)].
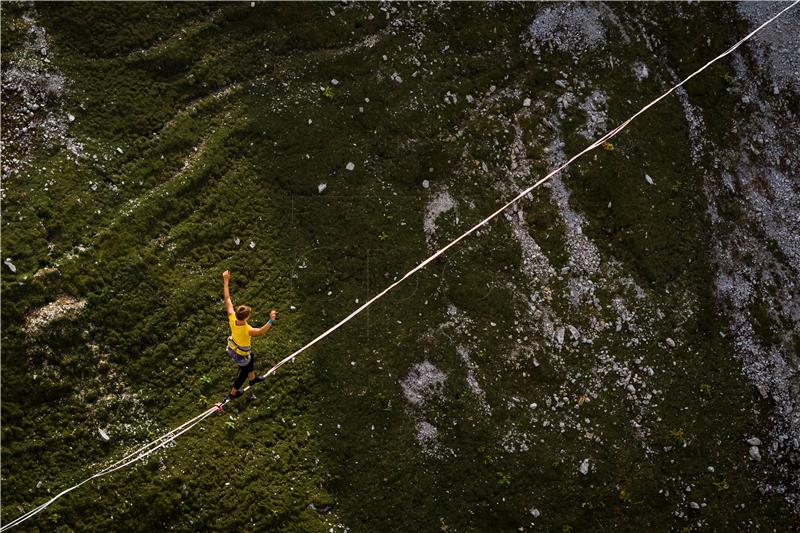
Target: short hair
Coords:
[(242, 312)]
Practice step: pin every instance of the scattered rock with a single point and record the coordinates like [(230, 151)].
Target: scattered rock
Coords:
[(670, 342), (321, 187), (70, 117), (350, 166), (237, 241), (573, 331), (694, 505), (526, 102), (535, 513), (426, 184), (649, 180), (584, 468), (560, 335), (119, 150), (252, 245), (10, 265), (103, 435), (754, 441), (470, 99), (640, 71), (755, 453), (334, 81), (321, 509)]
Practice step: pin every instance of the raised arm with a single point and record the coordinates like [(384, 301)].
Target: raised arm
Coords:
[(226, 276), (257, 332)]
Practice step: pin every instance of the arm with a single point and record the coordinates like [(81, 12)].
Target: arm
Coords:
[(257, 332), (226, 276)]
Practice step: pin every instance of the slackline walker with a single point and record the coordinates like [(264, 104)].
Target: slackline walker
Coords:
[(239, 348), (151, 447)]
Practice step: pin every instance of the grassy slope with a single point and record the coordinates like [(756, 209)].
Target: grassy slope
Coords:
[(152, 282)]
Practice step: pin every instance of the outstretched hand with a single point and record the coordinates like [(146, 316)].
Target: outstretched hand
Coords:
[(273, 314), (226, 275)]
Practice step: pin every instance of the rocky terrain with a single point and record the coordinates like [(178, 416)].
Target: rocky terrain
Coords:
[(619, 350)]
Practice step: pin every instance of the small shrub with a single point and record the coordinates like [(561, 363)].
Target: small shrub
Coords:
[(504, 479), (721, 485), (678, 437)]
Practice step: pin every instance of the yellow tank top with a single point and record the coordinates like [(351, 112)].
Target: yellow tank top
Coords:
[(240, 336)]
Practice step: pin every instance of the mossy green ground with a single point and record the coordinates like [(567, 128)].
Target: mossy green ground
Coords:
[(213, 122)]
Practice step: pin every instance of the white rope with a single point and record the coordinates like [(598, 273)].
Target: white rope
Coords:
[(151, 447)]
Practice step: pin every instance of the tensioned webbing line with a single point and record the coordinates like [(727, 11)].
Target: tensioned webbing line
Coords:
[(151, 447)]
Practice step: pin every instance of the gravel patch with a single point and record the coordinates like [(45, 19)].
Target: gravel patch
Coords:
[(439, 204), (776, 48), (423, 382), (66, 306), (37, 116), (572, 27)]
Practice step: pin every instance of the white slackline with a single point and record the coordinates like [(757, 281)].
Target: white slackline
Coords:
[(149, 448)]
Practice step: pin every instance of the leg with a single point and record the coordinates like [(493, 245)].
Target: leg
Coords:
[(252, 375), (239, 381)]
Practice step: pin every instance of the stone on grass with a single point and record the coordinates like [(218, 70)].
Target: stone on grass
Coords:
[(10, 265), (755, 453), (334, 81), (573, 331), (560, 336), (649, 180), (321, 187), (526, 102), (694, 505), (584, 468), (103, 435), (350, 166), (426, 184), (754, 441), (670, 342)]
